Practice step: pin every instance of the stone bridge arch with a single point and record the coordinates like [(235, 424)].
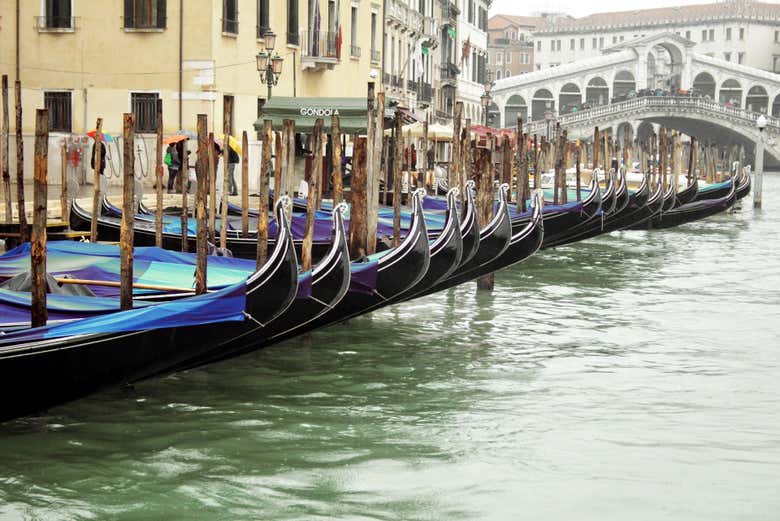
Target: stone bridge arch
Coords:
[(757, 99), (704, 82)]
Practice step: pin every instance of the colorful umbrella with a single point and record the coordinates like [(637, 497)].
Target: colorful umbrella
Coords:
[(233, 142), (106, 138), (175, 138)]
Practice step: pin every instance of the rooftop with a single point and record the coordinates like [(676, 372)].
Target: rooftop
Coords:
[(502, 21)]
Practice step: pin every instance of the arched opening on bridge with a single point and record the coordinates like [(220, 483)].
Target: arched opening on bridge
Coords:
[(776, 106), (664, 67), (625, 131), (705, 84), (757, 99), (570, 98), (597, 92), (542, 101), (494, 116), (731, 93), (623, 85), (515, 106), (644, 131)]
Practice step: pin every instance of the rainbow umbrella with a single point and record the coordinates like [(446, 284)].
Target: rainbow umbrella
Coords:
[(105, 138)]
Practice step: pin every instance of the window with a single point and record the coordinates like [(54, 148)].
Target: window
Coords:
[(60, 108), (777, 36), (727, 56), (508, 59), (622, 38), (688, 35), (292, 22), (595, 43), (354, 48), (614, 40), (539, 45), (601, 42), (58, 15), (507, 73), (775, 63), (498, 74), (704, 35), (538, 66), (582, 44), (740, 58), (263, 23), (741, 33), (471, 11), (552, 45), (230, 16), (728, 34), (374, 52), (557, 45), (571, 44), (499, 58), (145, 14), (144, 106), (712, 35)]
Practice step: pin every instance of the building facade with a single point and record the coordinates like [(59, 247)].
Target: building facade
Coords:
[(510, 45), (742, 32), (85, 60), (472, 30)]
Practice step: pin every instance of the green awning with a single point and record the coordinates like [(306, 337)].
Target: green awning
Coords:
[(305, 111)]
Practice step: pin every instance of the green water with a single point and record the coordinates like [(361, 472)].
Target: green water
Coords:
[(630, 377)]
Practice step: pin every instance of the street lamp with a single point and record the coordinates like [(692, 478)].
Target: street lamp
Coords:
[(761, 124), (269, 67)]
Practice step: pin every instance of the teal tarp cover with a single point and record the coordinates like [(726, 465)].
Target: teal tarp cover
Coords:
[(305, 111)]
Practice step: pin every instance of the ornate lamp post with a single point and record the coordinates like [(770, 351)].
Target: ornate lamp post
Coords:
[(761, 124), (269, 67), (486, 99)]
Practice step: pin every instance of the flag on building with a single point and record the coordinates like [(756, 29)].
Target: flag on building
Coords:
[(466, 50)]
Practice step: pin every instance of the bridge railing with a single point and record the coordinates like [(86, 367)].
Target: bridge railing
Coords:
[(636, 105)]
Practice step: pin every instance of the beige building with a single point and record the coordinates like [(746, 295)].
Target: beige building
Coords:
[(510, 45), (85, 59)]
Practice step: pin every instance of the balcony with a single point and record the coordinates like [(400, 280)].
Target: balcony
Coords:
[(412, 85), (375, 56), (395, 81), (55, 24), (449, 72), (354, 51), (319, 50), (449, 11), (386, 79), (293, 39)]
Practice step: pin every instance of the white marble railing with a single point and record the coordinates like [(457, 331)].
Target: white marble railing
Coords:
[(648, 104)]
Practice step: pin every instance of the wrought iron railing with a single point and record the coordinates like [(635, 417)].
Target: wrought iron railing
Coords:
[(354, 51), (375, 56), (55, 23), (319, 44), (425, 93)]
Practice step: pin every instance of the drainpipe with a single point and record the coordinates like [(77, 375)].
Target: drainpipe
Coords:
[(181, 61)]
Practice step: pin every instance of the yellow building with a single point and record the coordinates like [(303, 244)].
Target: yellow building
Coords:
[(84, 59)]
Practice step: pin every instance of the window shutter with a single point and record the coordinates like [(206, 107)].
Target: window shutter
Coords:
[(162, 16), (129, 18)]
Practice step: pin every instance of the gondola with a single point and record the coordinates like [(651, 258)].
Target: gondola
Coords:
[(396, 271), (521, 245), (743, 188), (666, 204), (714, 191), (605, 203), (647, 212), (634, 210), (687, 194), (696, 210), (45, 366)]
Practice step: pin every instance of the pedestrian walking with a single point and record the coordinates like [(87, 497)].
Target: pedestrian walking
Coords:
[(232, 161), (173, 161)]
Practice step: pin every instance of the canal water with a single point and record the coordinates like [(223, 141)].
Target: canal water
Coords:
[(634, 376)]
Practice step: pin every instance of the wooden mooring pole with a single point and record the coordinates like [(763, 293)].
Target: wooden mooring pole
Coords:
[(98, 159), (454, 177), (64, 206), (38, 312), (184, 175), (212, 189), (128, 213), (158, 170), (358, 212), (691, 161), (335, 137), (262, 207), (397, 180), (9, 211), (244, 185), (484, 166), (202, 172), (522, 166), (314, 195), (23, 228)]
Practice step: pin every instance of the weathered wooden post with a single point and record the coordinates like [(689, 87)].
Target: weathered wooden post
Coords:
[(564, 145), (465, 165), (453, 176), (662, 159), (277, 170), (485, 199), (358, 211), (263, 182), (98, 151), (184, 175), (128, 213), (522, 162), (212, 182), (506, 162), (577, 173), (158, 171), (64, 207), (283, 168), (397, 180), (244, 185), (596, 146), (424, 151), (312, 200), (226, 128), (335, 136), (535, 153), (24, 232), (9, 212), (202, 172), (290, 175), (691, 161), (373, 168), (38, 312)]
